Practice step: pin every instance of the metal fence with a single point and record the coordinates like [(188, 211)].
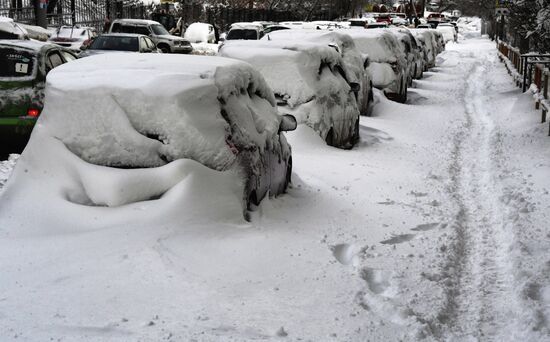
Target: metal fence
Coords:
[(20, 10), (95, 12)]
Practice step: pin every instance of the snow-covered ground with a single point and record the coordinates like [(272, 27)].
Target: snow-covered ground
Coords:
[(435, 227)]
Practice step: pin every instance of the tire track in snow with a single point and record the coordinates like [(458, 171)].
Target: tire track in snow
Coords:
[(478, 286)]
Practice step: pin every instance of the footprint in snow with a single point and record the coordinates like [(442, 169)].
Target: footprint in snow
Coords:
[(398, 239), (426, 226)]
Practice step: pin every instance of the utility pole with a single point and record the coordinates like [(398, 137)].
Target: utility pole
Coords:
[(40, 12)]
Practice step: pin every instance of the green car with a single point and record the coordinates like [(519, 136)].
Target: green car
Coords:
[(23, 68)]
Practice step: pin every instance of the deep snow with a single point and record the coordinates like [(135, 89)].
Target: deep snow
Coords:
[(435, 227)]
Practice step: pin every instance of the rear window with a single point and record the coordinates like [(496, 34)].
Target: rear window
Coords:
[(242, 34), (16, 63), (115, 43)]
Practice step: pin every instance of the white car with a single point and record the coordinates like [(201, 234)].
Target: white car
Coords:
[(448, 31), (200, 33), (146, 111), (73, 37), (309, 82), (245, 31)]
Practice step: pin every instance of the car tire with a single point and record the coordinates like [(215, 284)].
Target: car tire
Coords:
[(288, 176), (164, 48), (329, 139)]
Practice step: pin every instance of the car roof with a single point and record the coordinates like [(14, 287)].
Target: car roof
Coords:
[(122, 35), (34, 45), (136, 21)]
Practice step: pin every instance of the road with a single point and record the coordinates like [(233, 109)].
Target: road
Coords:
[(433, 228)]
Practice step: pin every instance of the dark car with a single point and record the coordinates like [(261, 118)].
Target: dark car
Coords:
[(120, 42), (23, 68)]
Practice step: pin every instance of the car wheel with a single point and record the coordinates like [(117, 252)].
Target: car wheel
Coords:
[(288, 178), (330, 137), (164, 48), (356, 132)]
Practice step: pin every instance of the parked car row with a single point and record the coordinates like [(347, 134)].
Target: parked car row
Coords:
[(229, 113)]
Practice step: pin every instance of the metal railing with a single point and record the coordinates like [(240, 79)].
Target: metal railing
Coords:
[(530, 72)]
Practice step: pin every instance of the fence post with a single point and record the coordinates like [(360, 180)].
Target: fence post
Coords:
[(545, 94), (538, 79), (524, 59)]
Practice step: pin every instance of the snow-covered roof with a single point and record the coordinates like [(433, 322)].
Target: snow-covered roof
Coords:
[(246, 26), (380, 44), (8, 25), (137, 21), (105, 108), (352, 59), (291, 68), (27, 44)]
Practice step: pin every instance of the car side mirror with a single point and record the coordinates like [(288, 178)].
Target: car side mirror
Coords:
[(288, 123), (355, 87)]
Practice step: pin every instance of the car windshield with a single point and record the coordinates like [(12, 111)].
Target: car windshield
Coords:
[(159, 30), (242, 34), (16, 62), (115, 43)]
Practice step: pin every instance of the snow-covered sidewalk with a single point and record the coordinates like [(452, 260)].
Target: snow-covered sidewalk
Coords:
[(435, 227)]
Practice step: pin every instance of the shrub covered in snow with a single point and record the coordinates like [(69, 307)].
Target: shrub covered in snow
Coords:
[(200, 33)]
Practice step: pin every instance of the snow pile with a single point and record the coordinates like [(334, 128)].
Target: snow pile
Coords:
[(204, 49), (308, 78), (199, 33), (469, 27), (6, 168), (37, 32)]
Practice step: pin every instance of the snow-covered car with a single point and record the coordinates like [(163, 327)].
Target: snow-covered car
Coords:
[(411, 49), (388, 63), (309, 82), (132, 111), (11, 30), (448, 32), (200, 33), (120, 42), (273, 28), (434, 19), (164, 41), (439, 40), (354, 62), (73, 37), (245, 31), (427, 42), (23, 68)]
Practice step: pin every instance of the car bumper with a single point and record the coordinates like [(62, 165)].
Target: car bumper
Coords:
[(17, 125), (182, 49)]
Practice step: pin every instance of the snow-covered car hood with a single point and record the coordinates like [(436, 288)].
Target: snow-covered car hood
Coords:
[(171, 37)]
